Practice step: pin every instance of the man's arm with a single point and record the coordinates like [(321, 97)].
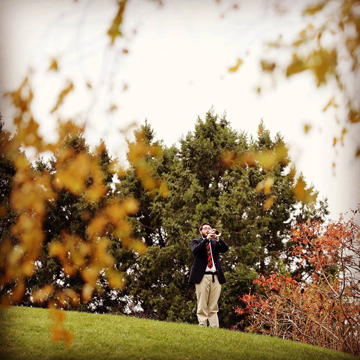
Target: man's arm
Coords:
[(222, 246), (197, 245)]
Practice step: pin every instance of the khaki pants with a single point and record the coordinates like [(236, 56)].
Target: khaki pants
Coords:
[(207, 295)]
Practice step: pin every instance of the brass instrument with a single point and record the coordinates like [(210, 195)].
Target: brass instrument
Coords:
[(217, 232)]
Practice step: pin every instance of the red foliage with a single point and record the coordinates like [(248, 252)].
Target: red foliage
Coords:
[(324, 308)]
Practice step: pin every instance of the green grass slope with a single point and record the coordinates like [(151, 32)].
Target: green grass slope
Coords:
[(25, 334)]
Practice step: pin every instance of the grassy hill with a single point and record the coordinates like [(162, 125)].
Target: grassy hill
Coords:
[(25, 334)]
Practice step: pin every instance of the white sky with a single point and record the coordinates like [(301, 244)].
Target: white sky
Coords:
[(175, 71)]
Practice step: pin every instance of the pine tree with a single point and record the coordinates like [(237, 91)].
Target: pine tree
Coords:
[(243, 186), (7, 172), (205, 188)]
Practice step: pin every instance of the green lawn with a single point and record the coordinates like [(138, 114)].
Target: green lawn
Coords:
[(25, 334)]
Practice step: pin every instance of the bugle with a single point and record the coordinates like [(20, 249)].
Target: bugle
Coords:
[(216, 232)]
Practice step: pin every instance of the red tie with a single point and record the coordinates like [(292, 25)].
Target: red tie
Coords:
[(209, 262)]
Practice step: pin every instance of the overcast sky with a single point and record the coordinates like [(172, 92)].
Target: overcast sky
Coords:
[(170, 67)]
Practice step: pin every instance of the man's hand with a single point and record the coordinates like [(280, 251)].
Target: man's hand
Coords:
[(211, 235)]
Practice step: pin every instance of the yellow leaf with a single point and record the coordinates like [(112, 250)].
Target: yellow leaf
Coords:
[(299, 189), (236, 66), (266, 159), (115, 212), (313, 9), (73, 296), (54, 65), (21, 99), (265, 185), (354, 116), (68, 337), (123, 230), (269, 182), (21, 164), (63, 156), (130, 205), (103, 245), (114, 29), (302, 194), (95, 193), (112, 108), (322, 63), (60, 316), (267, 66), (139, 247), (28, 268), (307, 128), (74, 176), (295, 67), (65, 129), (90, 275), (268, 203), (127, 242), (330, 103), (248, 159), (56, 334), (87, 292), (343, 133), (228, 158), (62, 96), (136, 153), (43, 294), (155, 150), (56, 249), (260, 187), (164, 190), (97, 226), (148, 183), (120, 172), (116, 280), (128, 127), (29, 136), (68, 269)]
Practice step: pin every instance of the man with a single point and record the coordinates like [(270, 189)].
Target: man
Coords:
[(207, 274)]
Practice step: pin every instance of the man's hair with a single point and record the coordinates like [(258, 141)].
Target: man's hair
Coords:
[(201, 226)]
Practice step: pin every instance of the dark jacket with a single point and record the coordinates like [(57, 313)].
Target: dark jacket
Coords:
[(198, 248)]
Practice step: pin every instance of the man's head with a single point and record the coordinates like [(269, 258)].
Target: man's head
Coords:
[(205, 229)]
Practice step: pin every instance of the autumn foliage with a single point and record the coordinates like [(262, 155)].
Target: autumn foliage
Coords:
[(92, 218), (83, 251), (36, 192), (322, 308), (327, 48)]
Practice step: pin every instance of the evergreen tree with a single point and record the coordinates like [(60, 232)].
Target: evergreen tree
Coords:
[(243, 186), (8, 216), (70, 215), (7, 172), (204, 188)]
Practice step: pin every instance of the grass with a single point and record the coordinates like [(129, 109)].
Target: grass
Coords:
[(25, 334)]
